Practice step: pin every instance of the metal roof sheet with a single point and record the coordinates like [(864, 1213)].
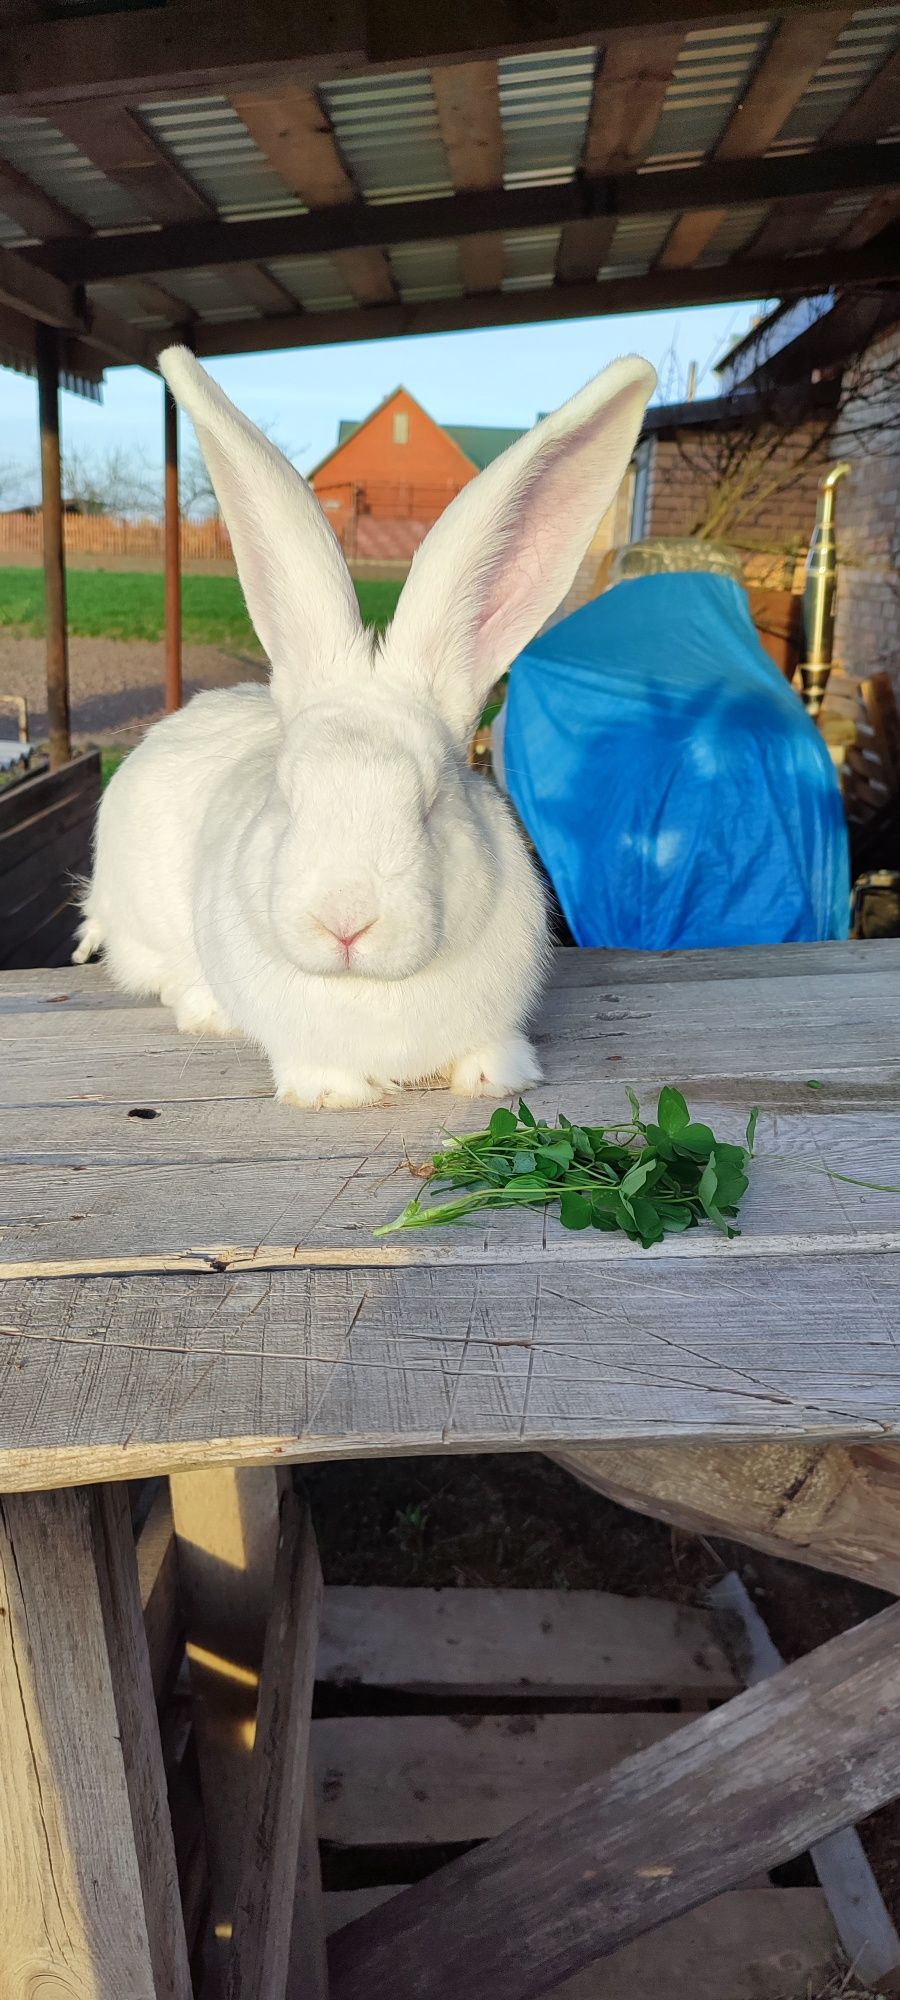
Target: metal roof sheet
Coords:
[(544, 106), (316, 282), (711, 74), (864, 44), (213, 147), (427, 270), (387, 130), (37, 149)]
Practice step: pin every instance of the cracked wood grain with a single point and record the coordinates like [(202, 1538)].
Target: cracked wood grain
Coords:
[(83, 1799)]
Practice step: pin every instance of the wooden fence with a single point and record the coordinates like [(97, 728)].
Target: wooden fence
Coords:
[(107, 535)]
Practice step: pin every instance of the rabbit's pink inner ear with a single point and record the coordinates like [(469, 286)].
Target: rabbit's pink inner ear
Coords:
[(500, 560)]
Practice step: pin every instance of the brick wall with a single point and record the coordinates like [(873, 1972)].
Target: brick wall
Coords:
[(868, 519), (681, 478)]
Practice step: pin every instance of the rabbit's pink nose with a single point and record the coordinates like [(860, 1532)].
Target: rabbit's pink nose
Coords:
[(349, 938)]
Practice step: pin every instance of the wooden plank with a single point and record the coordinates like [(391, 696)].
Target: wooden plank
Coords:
[(866, 1933), (157, 1562), (83, 1798), (520, 1642), (789, 226), (384, 1780), (194, 1199), (308, 1964), (880, 213), (264, 1907), (874, 111), (745, 1787), (834, 1508), (367, 274), (61, 60), (798, 46), (226, 1527), (619, 189), (138, 1730), (633, 77), (110, 1377), (19, 803), (113, 138), (753, 277), (468, 108), (745, 1943), (689, 238), (89, 988), (44, 298), (482, 262), (257, 285), (583, 248), (290, 125), (35, 211)]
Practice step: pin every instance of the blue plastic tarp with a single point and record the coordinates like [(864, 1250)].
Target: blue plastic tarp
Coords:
[(670, 779)]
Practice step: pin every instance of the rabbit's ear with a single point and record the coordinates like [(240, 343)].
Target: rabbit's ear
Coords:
[(297, 585), (502, 556)]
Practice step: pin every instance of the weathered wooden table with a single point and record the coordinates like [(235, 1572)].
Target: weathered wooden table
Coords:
[(190, 1281)]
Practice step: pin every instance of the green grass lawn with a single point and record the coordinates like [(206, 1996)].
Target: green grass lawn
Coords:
[(128, 604)]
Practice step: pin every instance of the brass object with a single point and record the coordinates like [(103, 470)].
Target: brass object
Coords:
[(818, 595)]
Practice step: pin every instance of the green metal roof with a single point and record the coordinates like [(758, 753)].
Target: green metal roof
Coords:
[(480, 442)]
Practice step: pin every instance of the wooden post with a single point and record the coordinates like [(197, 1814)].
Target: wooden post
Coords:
[(89, 1899), (58, 725), (278, 1917), (172, 559)]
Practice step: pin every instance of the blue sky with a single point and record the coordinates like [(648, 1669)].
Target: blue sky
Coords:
[(502, 376)]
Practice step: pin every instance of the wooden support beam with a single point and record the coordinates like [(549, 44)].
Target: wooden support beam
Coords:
[(34, 211), (353, 224), (879, 214), (226, 1527), (583, 249), (468, 108), (796, 50), (59, 728), (367, 274), (689, 238), (630, 90), (291, 127), (48, 299), (788, 226), (113, 139), (263, 1930), (482, 262), (172, 553), (257, 285), (836, 1507), (754, 279), (866, 1933), (202, 48), (88, 1889), (157, 1564), (295, 134), (873, 112), (744, 1788)]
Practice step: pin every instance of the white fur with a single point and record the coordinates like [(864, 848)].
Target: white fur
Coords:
[(254, 830)]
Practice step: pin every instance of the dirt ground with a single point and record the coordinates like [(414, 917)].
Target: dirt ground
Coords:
[(117, 685), (517, 1520)]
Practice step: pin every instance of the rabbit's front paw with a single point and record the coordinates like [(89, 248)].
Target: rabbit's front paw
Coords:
[(197, 1011), (328, 1090), (497, 1070)]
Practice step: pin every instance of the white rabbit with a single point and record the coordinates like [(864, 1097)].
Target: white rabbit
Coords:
[(312, 863)]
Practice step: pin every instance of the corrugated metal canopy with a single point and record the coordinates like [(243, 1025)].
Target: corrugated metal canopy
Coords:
[(284, 198)]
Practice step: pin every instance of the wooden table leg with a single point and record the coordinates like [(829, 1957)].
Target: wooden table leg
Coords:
[(89, 1901)]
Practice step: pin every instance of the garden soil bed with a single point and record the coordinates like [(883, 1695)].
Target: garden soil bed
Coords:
[(116, 684)]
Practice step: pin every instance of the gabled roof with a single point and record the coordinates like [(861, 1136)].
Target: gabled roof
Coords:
[(479, 443)]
